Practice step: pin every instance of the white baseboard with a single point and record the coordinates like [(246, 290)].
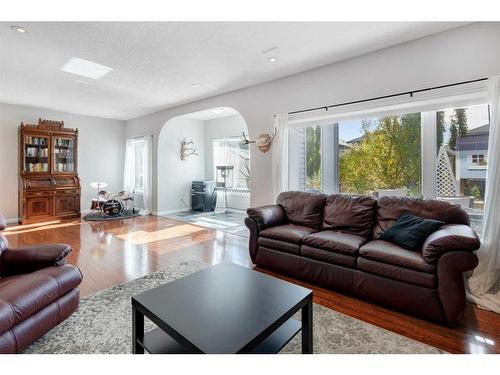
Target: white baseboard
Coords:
[(13, 220), (171, 212)]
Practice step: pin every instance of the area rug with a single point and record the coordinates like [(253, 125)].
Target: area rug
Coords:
[(102, 324)]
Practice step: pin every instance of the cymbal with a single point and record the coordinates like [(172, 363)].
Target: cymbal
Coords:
[(98, 184)]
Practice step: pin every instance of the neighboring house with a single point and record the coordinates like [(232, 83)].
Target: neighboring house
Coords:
[(355, 141), (471, 159), (343, 145)]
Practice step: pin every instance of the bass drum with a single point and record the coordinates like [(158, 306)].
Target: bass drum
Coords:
[(112, 208)]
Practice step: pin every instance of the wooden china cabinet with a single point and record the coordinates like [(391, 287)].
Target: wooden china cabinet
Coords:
[(49, 187)]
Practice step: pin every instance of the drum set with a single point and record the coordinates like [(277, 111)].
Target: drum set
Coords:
[(109, 206)]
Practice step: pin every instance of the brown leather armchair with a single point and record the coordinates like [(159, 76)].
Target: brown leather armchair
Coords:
[(333, 241), (37, 291)]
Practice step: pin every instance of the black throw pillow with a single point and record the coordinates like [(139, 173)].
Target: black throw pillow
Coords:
[(410, 231)]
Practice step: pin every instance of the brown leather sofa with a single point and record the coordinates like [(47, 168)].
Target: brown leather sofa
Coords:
[(37, 292), (332, 241)]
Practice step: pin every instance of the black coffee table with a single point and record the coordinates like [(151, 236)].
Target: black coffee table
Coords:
[(222, 309)]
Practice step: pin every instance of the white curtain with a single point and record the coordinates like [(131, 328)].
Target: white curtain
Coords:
[(280, 154), (484, 284), (128, 170), (147, 193)]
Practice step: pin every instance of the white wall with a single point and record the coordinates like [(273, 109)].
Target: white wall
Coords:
[(224, 127), (175, 175), (101, 146), (462, 54)]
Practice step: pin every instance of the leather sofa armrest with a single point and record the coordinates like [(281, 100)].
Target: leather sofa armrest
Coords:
[(450, 271), (267, 216), (451, 237), (31, 258)]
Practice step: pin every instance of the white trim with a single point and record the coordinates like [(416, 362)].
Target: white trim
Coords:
[(13, 220), (178, 211), (439, 99)]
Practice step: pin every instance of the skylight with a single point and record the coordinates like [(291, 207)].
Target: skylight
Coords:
[(85, 68)]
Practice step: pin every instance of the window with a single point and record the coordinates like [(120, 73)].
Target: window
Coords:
[(232, 152), (478, 159), (305, 151), (384, 156), (138, 165)]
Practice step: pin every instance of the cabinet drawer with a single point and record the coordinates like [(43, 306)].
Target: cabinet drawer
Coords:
[(38, 194)]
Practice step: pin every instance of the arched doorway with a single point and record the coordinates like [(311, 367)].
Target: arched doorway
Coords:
[(204, 169)]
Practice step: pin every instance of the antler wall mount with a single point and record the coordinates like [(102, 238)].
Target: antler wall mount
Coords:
[(263, 141), (188, 149)]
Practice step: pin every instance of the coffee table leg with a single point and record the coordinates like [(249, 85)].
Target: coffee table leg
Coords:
[(137, 331), (307, 328)]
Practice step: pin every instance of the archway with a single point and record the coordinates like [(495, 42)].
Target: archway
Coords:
[(205, 147)]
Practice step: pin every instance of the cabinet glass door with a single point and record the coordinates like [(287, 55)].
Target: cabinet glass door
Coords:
[(36, 154), (64, 155)]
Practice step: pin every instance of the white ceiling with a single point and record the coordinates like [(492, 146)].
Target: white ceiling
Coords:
[(155, 63)]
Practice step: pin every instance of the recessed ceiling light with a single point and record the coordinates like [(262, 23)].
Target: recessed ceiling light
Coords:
[(19, 29), (217, 111), (273, 59), (85, 68), (140, 104), (195, 84)]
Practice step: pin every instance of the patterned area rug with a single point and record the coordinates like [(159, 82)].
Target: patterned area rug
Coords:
[(102, 324)]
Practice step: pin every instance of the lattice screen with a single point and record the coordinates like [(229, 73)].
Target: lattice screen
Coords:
[(446, 183)]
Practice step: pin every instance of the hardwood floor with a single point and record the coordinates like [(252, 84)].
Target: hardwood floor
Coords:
[(118, 251)]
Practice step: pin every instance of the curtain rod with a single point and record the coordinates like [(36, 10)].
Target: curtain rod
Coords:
[(386, 96)]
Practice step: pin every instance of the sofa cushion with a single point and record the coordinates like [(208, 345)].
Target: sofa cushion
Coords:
[(350, 214), (390, 253), (339, 242), (287, 247), (288, 232), (403, 274), (23, 295), (303, 208), (410, 231), (328, 256), (390, 208)]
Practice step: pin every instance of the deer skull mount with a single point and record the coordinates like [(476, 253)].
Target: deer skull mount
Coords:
[(263, 141), (187, 149)]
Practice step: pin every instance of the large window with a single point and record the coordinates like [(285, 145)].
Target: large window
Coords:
[(231, 152), (389, 155)]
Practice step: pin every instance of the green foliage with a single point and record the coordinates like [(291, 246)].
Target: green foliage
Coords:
[(440, 127), (388, 157), (458, 126), (313, 157), (473, 191), (314, 182)]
